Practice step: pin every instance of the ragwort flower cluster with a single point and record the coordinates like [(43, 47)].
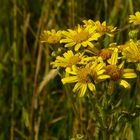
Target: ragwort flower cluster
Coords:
[(87, 64)]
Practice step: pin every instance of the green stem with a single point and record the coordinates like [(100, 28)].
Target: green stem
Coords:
[(106, 135), (131, 6), (14, 70), (75, 108)]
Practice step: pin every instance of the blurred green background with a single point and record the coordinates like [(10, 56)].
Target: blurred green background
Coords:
[(26, 113)]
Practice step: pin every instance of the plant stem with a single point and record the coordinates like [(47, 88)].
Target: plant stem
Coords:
[(14, 71), (106, 135)]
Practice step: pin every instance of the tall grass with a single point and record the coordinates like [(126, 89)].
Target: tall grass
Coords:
[(33, 103)]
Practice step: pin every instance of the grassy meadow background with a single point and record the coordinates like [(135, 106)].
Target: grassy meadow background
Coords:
[(31, 108)]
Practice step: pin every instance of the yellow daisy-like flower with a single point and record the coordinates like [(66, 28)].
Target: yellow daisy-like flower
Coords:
[(122, 47), (117, 72), (80, 37), (132, 53), (51, 37), (101, 28), (86, 77), (135, 19), (68, 60)]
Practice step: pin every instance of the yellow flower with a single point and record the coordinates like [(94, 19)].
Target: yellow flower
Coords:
[(132, 53), (135, 19), (86, 77), (80, 37), (117, 72), (68, 60), (101, 28), (122, 47), (50, 37)]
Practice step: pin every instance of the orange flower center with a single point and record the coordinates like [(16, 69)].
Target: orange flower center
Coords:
[(86, 75), (105, 54), (114, 72)]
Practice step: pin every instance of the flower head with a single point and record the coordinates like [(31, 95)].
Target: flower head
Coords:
[(122, 47), (81, 36), (101, 28), (105, 53), (135, 19), (86, 77), (68, 60), (117, 72), (50, 37), (132, 53)]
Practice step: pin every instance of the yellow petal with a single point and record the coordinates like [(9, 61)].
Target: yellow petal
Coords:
[(71, 32), (91, 86), (70, 79), (83, 90), (104, 23), (77, 46), (77, 87), (74, 68), (134, 47), (95, 36), (94, 64), (68, 34), (84, 44), (102, 77), (100, 72), (121, 65), (68, 54), (100, 66), (70, 44), (114, 57), (92, 30), (79, 28), (68, 70), (124, 84), (129, 75), (128, 70), (90, 44), (137, 14)]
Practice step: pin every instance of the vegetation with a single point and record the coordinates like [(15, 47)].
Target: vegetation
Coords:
[(35, 105)]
